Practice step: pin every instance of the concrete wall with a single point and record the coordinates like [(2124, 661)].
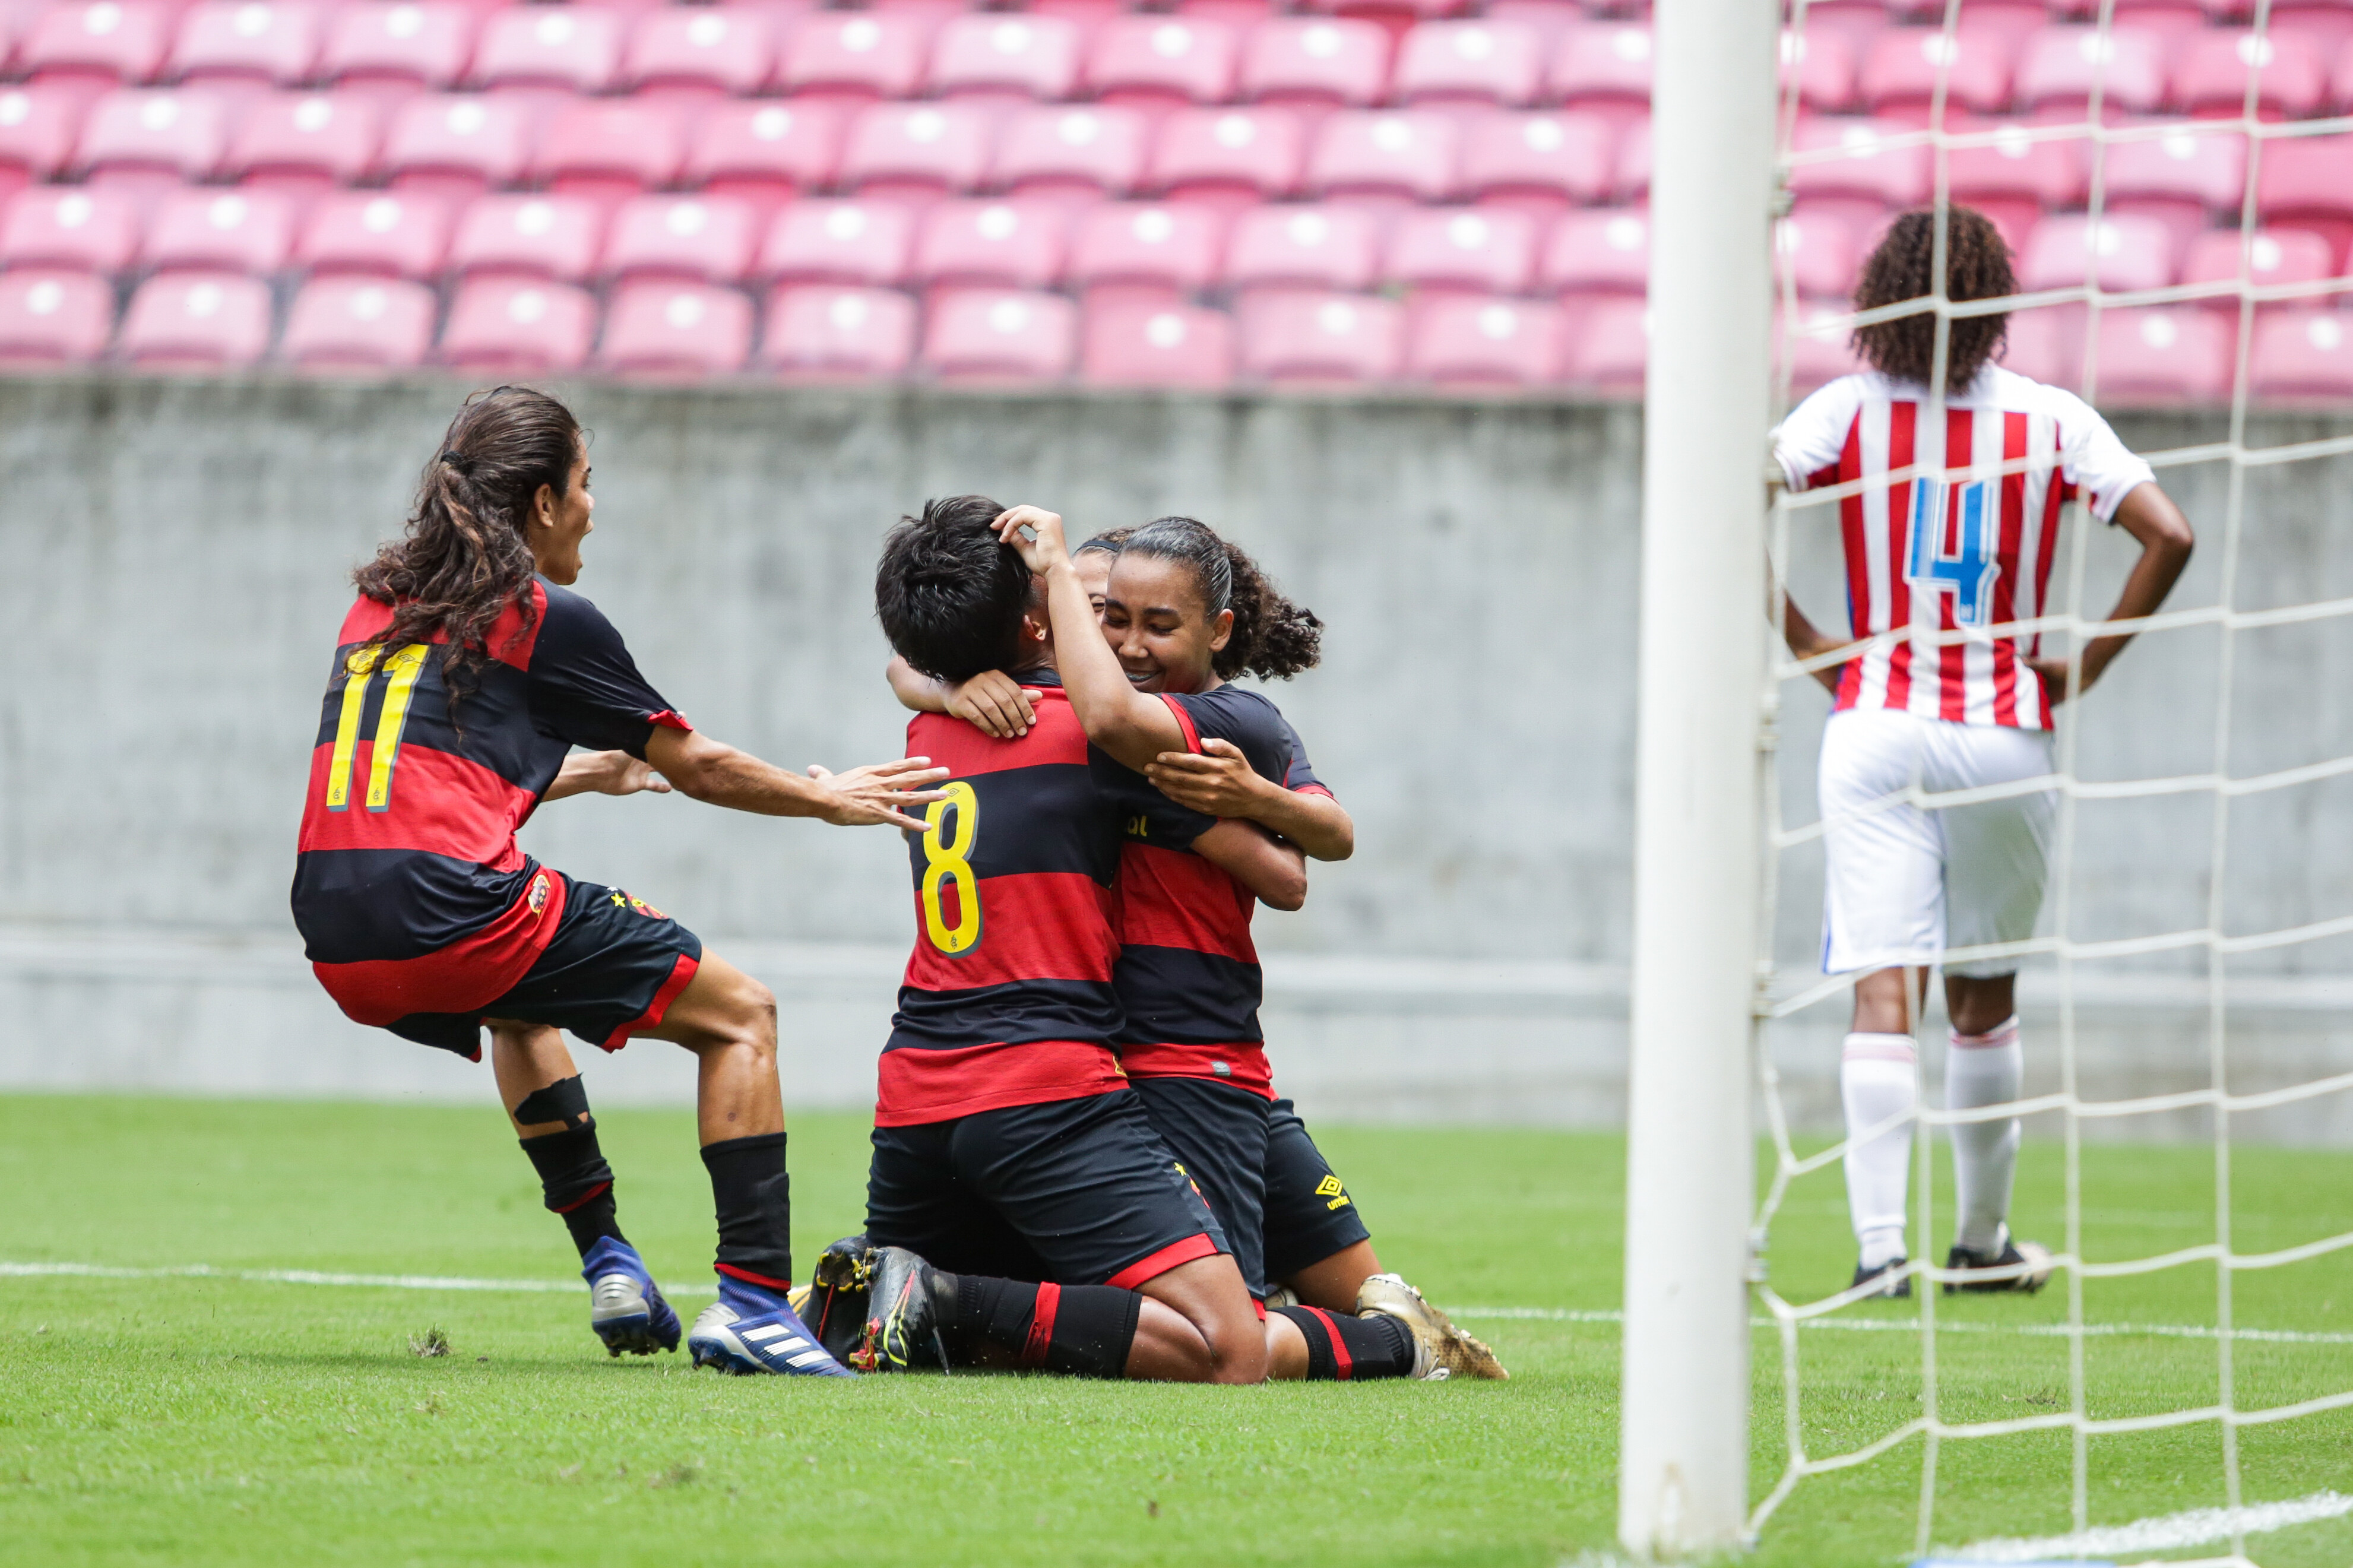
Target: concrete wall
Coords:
[(174, 561)]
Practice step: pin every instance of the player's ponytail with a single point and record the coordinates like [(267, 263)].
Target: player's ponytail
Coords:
[(1273, 637), (1902, 266)]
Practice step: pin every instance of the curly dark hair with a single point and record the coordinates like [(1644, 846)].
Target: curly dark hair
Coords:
[(1273, 637), (1977, 266), (949, 593)]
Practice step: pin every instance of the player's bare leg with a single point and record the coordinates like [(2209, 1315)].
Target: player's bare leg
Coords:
[(1983, 1067), (1332, 1283), (1198, 1326), (729, 1021)]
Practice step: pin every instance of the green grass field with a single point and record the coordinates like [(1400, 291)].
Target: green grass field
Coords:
[(212, 1420)]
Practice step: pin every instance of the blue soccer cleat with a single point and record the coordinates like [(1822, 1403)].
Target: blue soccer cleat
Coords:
[(625, 1307), (748, 1331)]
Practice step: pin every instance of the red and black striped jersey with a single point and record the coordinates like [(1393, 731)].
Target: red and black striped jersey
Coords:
[(1007, 998), (410, 889)]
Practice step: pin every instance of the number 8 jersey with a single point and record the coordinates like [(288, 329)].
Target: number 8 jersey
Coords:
[(1965, 546)]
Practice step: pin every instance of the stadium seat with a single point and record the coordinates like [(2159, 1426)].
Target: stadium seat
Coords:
[(1598, 253), (2211, 70), (700, 52), (2061, 67), (518, 326), (2276, 257), (1134, 343), (359, 324), (710, 240), (839, 242), (1816, 352), (1633, 172), (1085, 151), (1482, 251), (1545, 162), (2183, 180), (210, 229), (54, 317), (858, 56), (2014, 178), (610, 149), (1604, 66), (68, 227), (1000, 335), (1321, 337), (1171, 251), (404, 235), (1151, 61), (98, 42), (1823, 61), (39, 127), (1816, 253), (1316, 61), (400, 48), (529, 236), (2165, 355), (2119, 254), (1466, 340), (1608, 345), (1390, 155), (1231, 157), (839, 332), (2301, 184), (456, 144), (2045, 345), (916, 150), (676, 329), (1006, 54), (147, 140), (549, 48), (1313, 247), (305, 144), (764, 152), (1860, 175), (247, 43), (1000, 243), (2305, 353), (1899, 75), (195, 321), (1497, 63)]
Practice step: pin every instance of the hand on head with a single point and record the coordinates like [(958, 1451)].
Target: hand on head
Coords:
[(1036, 533)]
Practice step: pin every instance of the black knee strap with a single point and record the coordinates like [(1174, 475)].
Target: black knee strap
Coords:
[(564, 1100)]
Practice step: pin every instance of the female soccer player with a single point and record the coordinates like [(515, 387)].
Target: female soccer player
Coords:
[(463, 676), (1949, 537)]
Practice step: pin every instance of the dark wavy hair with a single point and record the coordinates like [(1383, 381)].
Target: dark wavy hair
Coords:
[(1273, 637), (1977, 266), (1110, 541), (949, 593), (465, 555)]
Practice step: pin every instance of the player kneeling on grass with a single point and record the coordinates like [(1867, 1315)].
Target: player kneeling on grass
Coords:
[(1962, 548), (463, 676)]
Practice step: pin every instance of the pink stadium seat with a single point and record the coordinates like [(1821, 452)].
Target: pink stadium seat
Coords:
[(2061, 65), (610, 149), (710, 240), (404, 235), (2120, 254), (197, 321), (37, 129), (2165, 355), (529, 236), (399, 48), (2015, 178), (1543, 161), (197, 228), (1862, 173), (2276, 257), (839, 332), (1321, 337), (1081, 150), (839, 242), (1323, 247), (2046, 345), (1608, 345), (2212, 71), (1000, 334), (250, 43), (1228, 156), (673, 329), (1172, 250), (1002, 244), (2183, 180), (856, 55), (1465, 340), (1603, 65), (2303, 354), (1598, 253), (1900, 73), (98, 41), (1134, 343), (1483, 251), (54, 317), (1498, 63), (68, 227), (764, 152), (1634, 172), (551, 48), (1818, 254), (1005, 54), (359, 324), (2302, 182), (149, 138), (456, 144), (1823, 61), (305, 144), (1163, 62), (1397, 155), (1315, 60), (519, 327), (1815, 351), (701, 51), (917, 149)]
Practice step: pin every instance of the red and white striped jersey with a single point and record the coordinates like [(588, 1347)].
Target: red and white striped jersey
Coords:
[(1965, 545)]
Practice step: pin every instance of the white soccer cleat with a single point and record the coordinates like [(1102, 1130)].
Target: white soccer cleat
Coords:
[(1440, 1350)]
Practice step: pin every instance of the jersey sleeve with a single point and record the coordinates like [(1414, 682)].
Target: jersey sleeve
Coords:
[(1808, 444), (1245, 719), (2095, 462), (584, 686), (1144, 814), (1301, 779)]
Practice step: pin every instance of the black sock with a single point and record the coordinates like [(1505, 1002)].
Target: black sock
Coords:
[(754, 1197), (1343, 1348), (1086, 1330), (578, 1183)]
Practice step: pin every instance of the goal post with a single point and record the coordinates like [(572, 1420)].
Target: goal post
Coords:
[(1683, 1420)]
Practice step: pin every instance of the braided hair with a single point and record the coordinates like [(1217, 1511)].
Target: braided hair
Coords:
[(1273, 637), (1977, 266)]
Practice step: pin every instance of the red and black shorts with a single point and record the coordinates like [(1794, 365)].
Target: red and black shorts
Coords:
[(1308, 1214), (1219, 1133)]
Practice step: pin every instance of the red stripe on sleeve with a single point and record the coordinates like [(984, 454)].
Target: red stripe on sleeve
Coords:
[(1184, 722), (1041, 1325)]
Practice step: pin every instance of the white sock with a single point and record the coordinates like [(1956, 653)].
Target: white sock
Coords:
[(1984, 1069), (1879, 1076)]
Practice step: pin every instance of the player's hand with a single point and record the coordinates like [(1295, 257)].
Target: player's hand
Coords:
[(996, 704), (2054, 672), (872, 796), (1037, 534), (1219, 783), (617, 772)]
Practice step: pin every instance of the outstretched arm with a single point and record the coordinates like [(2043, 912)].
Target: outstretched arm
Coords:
[(2149, 515), (707, 769), (605, 773), (1219, 782), (992, 701), (1275, 872)]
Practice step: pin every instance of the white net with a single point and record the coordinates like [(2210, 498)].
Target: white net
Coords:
[(2197, 908)]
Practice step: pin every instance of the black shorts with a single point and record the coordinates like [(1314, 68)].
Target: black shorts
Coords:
[(1308, 1214), (1219, 1133), (1075, 1192), (613, 968)]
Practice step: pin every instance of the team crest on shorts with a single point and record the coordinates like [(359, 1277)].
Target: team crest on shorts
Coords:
[(538, 892)]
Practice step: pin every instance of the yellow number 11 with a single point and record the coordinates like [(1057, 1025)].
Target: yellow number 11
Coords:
[(400, 681)]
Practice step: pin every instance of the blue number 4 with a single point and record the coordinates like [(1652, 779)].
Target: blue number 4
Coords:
[(1970, 574)]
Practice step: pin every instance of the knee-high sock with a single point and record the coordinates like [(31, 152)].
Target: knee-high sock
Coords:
[(1087, 1329), (1346, 1348), (754, 1199), (1984, 1069), (572, 1175), (1879, 1076)]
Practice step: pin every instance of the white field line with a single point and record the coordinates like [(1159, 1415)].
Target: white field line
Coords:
[(2166, 1533)]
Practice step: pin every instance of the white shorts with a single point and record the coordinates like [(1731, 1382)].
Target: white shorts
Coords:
[(1902, 885)]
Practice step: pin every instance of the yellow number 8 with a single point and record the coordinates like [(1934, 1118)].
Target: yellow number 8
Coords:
[(947, 856)]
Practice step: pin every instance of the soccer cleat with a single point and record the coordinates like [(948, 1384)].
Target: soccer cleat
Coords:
[(733, 1341), (1440, 1350), (834, 1305), (1897, 1286), (1281, 1296), (2023, 1266), (625, 1307), (904, 1313)]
